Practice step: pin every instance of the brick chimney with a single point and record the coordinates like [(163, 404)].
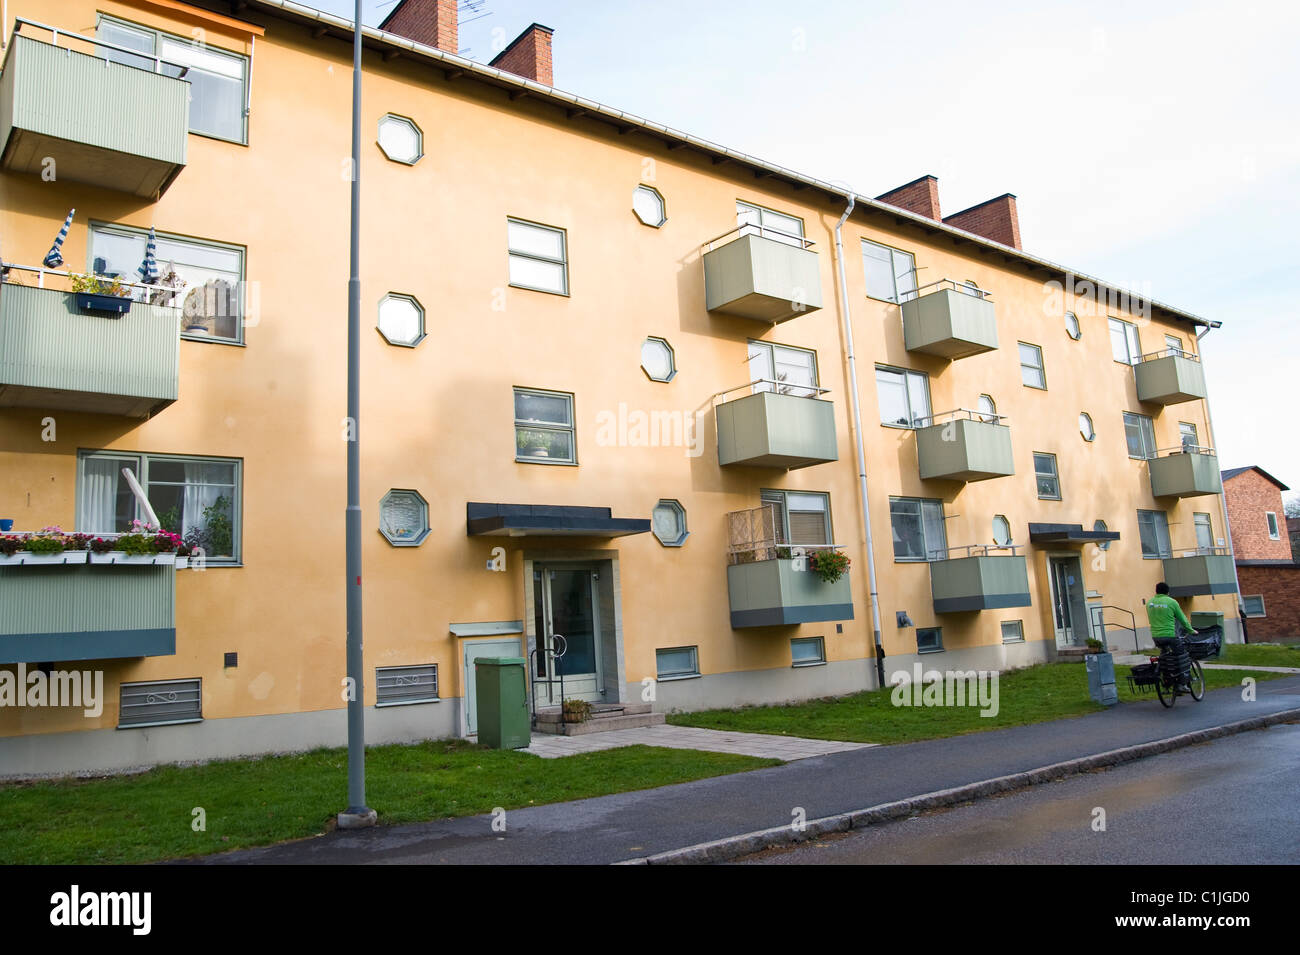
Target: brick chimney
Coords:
[(994, 219), (920, 196), (528, 55), (431, 22)]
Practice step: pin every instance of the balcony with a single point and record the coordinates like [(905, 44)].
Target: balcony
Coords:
[(771, 583), (1206, 570), (786, 427), (762, 274), (55, 356), (1169, 377), (89, 611), (103, 123), (951, 321), (1185, 472), (983, 578), (964, 445)]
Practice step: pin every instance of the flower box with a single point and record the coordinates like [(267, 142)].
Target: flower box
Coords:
[(11, 559), (75, 556), (120, 557), (104, 558), (182, 563), (115, 305), (29, 558)]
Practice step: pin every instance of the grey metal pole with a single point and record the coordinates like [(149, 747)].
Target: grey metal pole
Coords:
[(357, 814)]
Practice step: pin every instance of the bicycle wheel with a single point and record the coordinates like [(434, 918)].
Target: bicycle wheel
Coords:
[(1166, 691), (1196, 682)]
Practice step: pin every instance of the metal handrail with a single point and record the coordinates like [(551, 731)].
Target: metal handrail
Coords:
[(773, 381), (1199, 551), (777, 546), (1167, 352), (972, 414), (1133, 628), (976, 550), (973, 290), (43, 271), (554, 655), (762, 233), (1183, 449), (158, 61)]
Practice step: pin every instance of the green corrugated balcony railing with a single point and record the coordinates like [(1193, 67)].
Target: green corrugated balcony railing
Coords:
[(55, 356), (776, 430), (952, 320), (783, 591), (1186, 472), (964, 445), (1209, 571), (762, 274), (982, 578), (50, 613), (1169, 377), (103, 123)]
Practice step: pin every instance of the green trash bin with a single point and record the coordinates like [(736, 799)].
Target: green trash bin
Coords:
[(503, 721), (1206, 618)]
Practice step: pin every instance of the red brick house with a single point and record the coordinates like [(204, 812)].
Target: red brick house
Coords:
[(1267, 573)]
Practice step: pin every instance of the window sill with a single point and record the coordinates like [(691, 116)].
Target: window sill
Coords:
[(145, 726), (220, 139), (931, 650), (209, 340), (534, 288), (674, 679), (1034, 387), (804, 666), (432, 699), (1009, 643), (887, 301), (555, 463), (899, 427)]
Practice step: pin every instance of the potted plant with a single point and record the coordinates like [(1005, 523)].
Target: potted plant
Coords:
[(830, 565), (576, 711), (534, 444), (101, 551), (46, 546), (11, 546), (1094, 645), (100, 293)]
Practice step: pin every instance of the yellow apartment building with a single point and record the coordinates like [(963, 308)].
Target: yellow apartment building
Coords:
[(625, 386)]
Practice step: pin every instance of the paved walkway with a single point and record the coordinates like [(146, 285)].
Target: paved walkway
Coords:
[(637, 824), (785, 748), (1239, 666)]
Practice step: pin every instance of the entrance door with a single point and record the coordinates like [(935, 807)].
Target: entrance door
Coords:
[(1069, 607), (505, 647), (565, 607)]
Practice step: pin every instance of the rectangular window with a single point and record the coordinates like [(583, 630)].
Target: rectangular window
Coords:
[(1253, 605), (198, 498), (677, 663), (160, 703), (795, 369), (890, 273), (1187, 436), (208, 277), (1274, 531), (218, 78), (395, 686), (544, 431), (1173, 345), (1153, 532), (802, 517), (1140, 433), (1049, 482), (1013, 631), (538, 257), (916, 525), (1204, 532), (1032, 373), (929, 640), (807, 651), (904, 397), (1124, 345), (756, 220)]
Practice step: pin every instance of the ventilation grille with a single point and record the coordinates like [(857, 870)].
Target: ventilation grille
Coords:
[(414, 684), (167, 701)]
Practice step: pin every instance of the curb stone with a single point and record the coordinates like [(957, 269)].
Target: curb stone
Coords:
[(733, 847)]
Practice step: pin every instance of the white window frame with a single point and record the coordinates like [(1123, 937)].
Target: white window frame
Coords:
[(818, 642), (1089, 435), (751, 219), (1132, 341), (1208, 524), (780, 500), (1147, 433), (1055, 473), (143, 460), (1188, 429), (1040, 367), (1019, 630), (562, 261), (1073, 330), (908, 376), (934, 550), (1274, 527), (692, 674), (1159, 522), (990, 414), (529, 425), (773, 351), (1007, 524), (896, 256), (938, 634), (1245, 607)]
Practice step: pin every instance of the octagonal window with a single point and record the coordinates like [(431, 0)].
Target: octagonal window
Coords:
[(648, 204), (668, 523), (1072, 326), (657, 359), (404, 518), (400, 139), (401, 319), (1085, 426), (1001, 530)]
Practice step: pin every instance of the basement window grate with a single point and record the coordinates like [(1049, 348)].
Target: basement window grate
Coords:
[(160, 703), (411, 684)]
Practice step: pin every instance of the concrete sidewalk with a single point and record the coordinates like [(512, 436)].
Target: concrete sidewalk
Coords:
[(616, 828), (784, 748)]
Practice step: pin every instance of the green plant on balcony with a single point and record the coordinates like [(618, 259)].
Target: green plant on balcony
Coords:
[(10, 545), (830, 565), (48, 540), (89, 283), (101, 546)]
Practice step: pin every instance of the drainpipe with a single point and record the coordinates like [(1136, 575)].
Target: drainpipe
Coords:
[(856, 412), (1223, 497)]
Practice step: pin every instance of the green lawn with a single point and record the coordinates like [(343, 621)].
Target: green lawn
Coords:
[(1047, 692), (1260, 655), (147, 817)]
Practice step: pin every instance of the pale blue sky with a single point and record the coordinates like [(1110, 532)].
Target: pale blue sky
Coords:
[(1155, 144)]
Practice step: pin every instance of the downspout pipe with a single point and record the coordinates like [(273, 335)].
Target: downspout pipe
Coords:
[(856, 412), (1223, 497)]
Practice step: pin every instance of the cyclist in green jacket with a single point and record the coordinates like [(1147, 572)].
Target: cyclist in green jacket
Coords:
[(1164, 615)]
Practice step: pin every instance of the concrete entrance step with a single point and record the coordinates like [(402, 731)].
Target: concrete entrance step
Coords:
[(599, 711), (603, 724)]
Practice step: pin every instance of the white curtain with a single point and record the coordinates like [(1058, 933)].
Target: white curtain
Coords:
[(199, 492), (99, 495)]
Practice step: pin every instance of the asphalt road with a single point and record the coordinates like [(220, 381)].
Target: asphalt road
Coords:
[(1233, 800)]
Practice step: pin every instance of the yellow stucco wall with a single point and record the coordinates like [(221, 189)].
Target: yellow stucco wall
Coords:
[(438, 418)]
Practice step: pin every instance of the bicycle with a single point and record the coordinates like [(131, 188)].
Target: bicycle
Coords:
[(1172, 679)]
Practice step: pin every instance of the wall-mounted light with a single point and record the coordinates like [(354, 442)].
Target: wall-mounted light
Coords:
[(903, 620)]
